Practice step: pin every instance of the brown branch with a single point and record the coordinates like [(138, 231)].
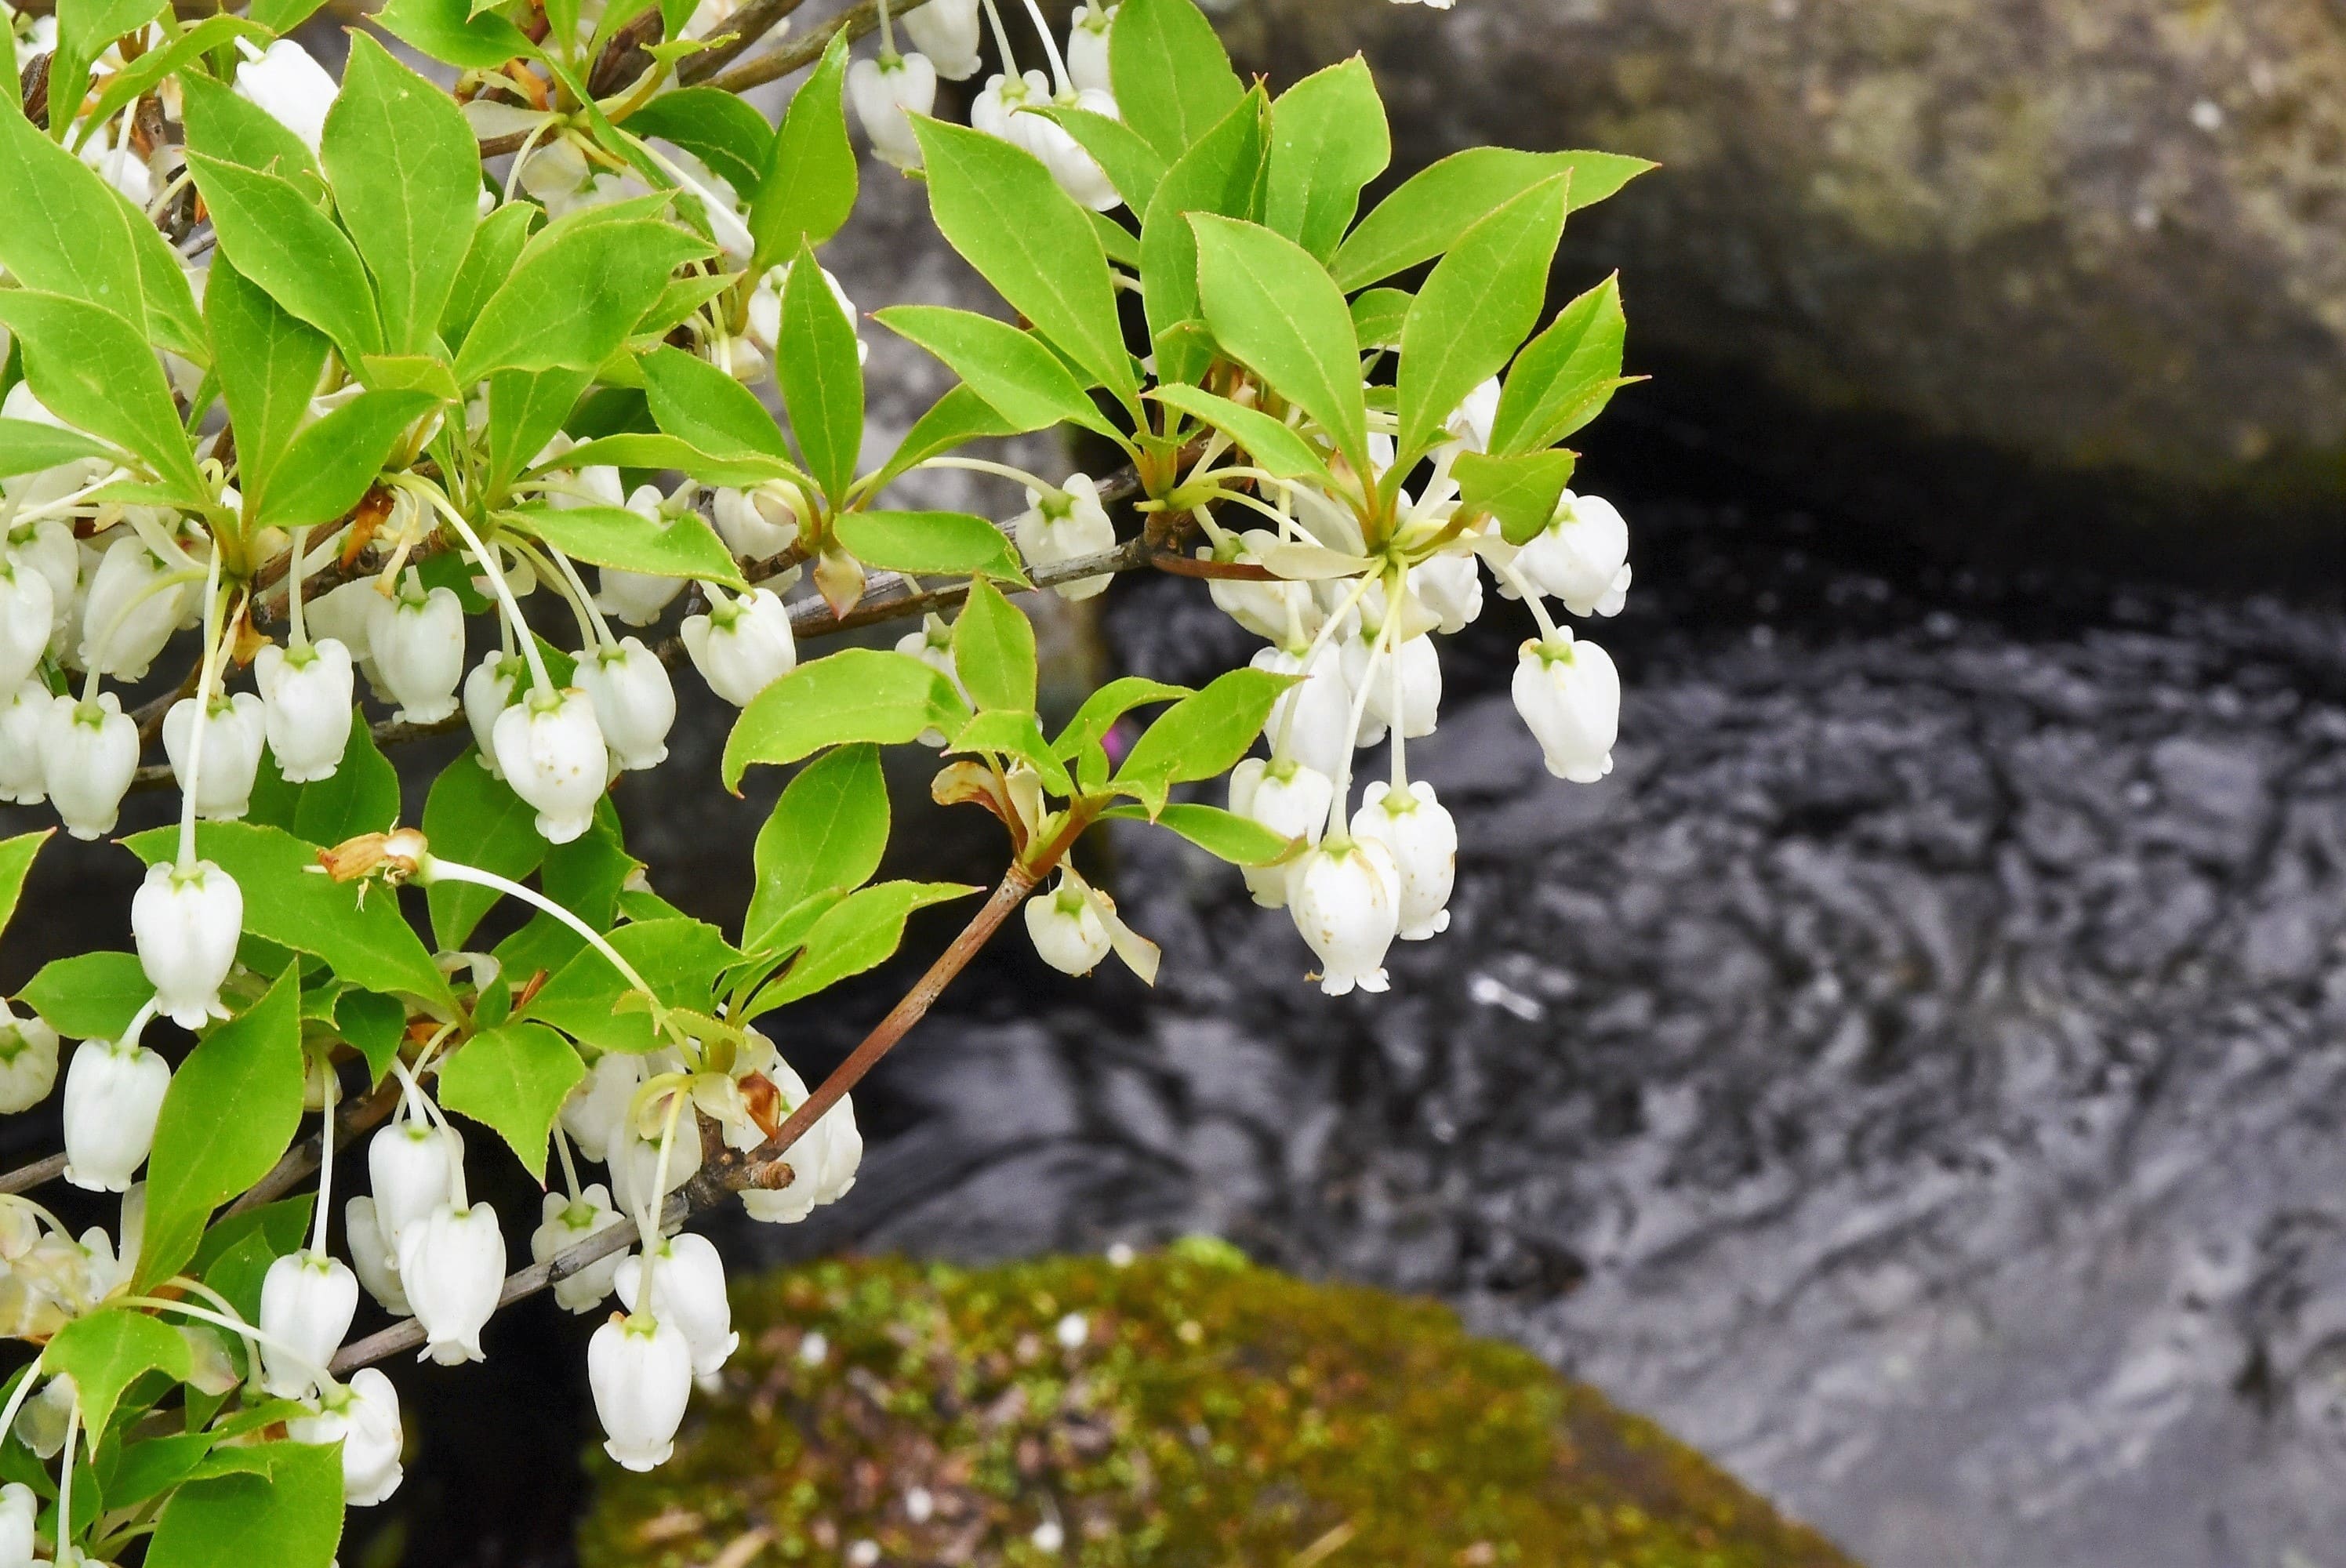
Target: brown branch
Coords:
[(747, 25), (24, 1178), (777, 63)]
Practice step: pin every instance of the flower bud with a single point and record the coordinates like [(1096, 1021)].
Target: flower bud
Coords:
[(28, 1060), (376, 1270), (1581, 556), (451, 1264), (185, 925), (233, 735), (1087, 35), (1569, 694), (488, 692), (413, 1167), (635, 705), (1319, 735), (762, 522), (305, 699), (126, 618), (1424, 840), (883, 90), (294, 89), (89, 752), (1345, 899), (1451, 589), (947, 32), (1420, 687), (307, 1301), (1065, 525), (23, 715), (19, 1511), (114, 1092), (1291, 799), (418, 642), (640, 1370), (363, 1417), (742, 645), (596, 1110), (567, 1222), (553, 755), (27, 616), (688, 1291), (1069, 932)]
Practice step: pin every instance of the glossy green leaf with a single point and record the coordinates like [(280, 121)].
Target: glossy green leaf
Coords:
[(1379, 315), (931, 544), (575, 294), (282, 242), (406, 174), (1436, 205), (821, 377), (993, 651), (1203, 736), (87, 29), (90, 995), (1222, 173), (282, 1506), (514, 1080), (1521, 491), (362, 796), (237, 130), (714, 126), (107, 1351), (954, 420), (681, 959), (642, 451), (1026, 383), (376, 1025), (694, 402), (1327, 141), (475, 819), (28, 446), (232, 1110), (96, 371), (858, 694), (1171, 77), (809, 184), (1277, 311), (1131, 165), (527, 410), (489, 260), (139, 78), (15, 862), (860, 932), (451, 31), (1564, 377), (331, 464), (1015, 733), (682, 547), (826, 833), (1267, 442), (1225, 835), (268, 362), (1481, 301), (1111, 702)]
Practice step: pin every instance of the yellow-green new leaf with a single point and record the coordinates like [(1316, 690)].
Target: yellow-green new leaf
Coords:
[(514, 1080)]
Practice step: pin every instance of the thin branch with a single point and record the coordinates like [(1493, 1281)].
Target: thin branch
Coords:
[(24, 1178), (780, 62)]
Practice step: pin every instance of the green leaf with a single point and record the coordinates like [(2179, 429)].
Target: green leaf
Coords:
[(1564, 377), (478, 820), (821, 377), (1171, 77), (860, 932), (1327, 141), (630, 449), (448, 30), (1225, 835), (514, 1080), (237, 130), (68, 232), (681, 958), (1121, 244), (27, 446), (232, 1110), (1277, 311), (91, 995), (826, 833), (362, 796), (1521, 491), (954, 420), (1379, 315), (15, 860), (1111, 702), (85, 29), (993, 651), (152, 1466), (1438, 203), (285, 1509), (717, 127), (288, 901), (1048, 263), (1482, 299), (267, 362), (527, 410), (139, 78), (1021, 380), (575, 294), (694, 402), (406, 174), (96, 371), (808, 188), (330, 465), (376, 1025), (282, 17), (684, 546), (107, 1351), (1131, 165), (858, 694), (282, 242), (933, 544), (1271, 444), (496, 245), (1221, 174), (1015, 732), (1204, 736)]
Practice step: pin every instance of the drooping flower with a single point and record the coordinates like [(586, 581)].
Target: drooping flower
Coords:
[(307, 1301), (635, 703), (596, 1110), (1420, 684), (418, 643), (688, 1291), (1424, 841), (23, 715), (234, 733), (90, 753), (19, 1511), (27, 616), (377, 1269), (947, 32), (553, 754), (488, 692), (129, 613), (1318, 733), (114, 1093), (1451, 589), (761, 522), (884, 91), (293, 88), (567, 1222), (363, 1417), (305, 697), (28, 1061), (639, 597), (640, 1370), (1066, 525), (743, 644), (451, 1264), (1291, 799), (1345, 898), (413, 1166), (1569, 694), (186, 923), (1581, 556), (1069, 933), (1088, 41), (823, 1164)]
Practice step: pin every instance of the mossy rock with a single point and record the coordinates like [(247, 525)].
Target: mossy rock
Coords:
[(1182, 1408)]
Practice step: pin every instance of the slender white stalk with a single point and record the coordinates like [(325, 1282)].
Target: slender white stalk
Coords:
[(1310, 656), (64, 1484), (1002, 42), (298, 634), (1400, 768), (333, 1086), (169, 580), (569, 1166), (207, 674), (887, 32), (1066, 86), (597, 630), (233, 1325), (434, 870), (1530, 596), (980, 466), (489, 566), (721, 216), (15, 1405), (1339, 804)]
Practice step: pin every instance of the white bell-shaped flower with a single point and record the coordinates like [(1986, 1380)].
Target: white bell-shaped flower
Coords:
[(413, 1166), (28, 1061), (1569, 694), (596, 484), (307, 1302), (932, 645), (363, 1417), (451, 1264), (1069, 932), (114, 1092), (48, 547), (553, 755), (1087, 32), (1418, 830), (640, 1370), (19, 1512), (233, 736), (1345, 896), (347, 615), (688, 1291), (1320, 734), (1582, 557), (742, 644), (823, 1164), (639, 597), (488, 692), (634, 701), (1291, 799), (90, 753), (596, 1110), (418, 642), (305, 699), (1065, 525), (635, 1165), (1451, 589), (1420, 687), (23, 715), (27, 616), (120, 166), (1278, 610), (1469, 421), (377, 1269), (185, 925), (883, 91), (293, 88), (947, 32), (567, 1222), (762, 523), (128, 614), (1001, 110)]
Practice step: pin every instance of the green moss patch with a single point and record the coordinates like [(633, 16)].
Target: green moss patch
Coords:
[(1183, 1410)]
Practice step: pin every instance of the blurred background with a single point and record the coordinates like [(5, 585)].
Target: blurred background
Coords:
[(1915, 1076)]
